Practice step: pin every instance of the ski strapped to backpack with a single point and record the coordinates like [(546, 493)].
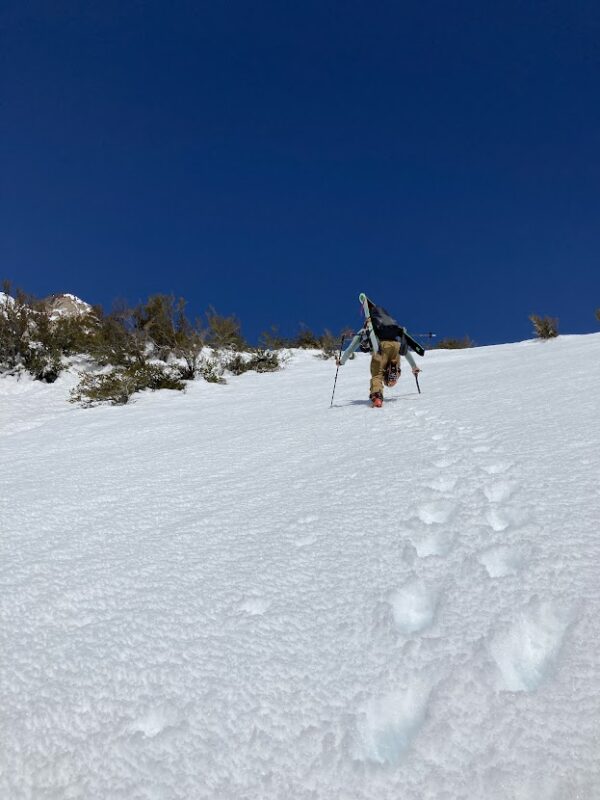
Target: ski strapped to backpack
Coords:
[(364, 301), (380, 325)]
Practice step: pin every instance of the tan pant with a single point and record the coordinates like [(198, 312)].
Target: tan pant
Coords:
[(390, 352)]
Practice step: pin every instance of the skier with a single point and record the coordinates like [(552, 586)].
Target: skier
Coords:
[(393, 341)]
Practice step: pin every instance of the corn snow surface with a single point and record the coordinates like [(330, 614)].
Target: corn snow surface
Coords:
[(239, 593)]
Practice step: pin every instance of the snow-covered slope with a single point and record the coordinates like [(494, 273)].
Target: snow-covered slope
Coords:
[(239, 592)]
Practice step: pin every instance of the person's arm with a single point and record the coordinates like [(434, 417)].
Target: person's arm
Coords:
[(411, 361), (350, 349)]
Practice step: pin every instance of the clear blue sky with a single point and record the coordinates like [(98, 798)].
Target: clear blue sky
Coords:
[(273, 159)]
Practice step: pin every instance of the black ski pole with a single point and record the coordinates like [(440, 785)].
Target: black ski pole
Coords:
[(417, 380), (337, 370)]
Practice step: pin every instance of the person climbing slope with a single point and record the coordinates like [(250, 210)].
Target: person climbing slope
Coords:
[(387, 341)]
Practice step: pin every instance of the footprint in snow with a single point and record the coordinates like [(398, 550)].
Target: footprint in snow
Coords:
[(308, 520), (444, 483), (254, 606), (500, 520), (305, 541), (442, 463), (502, 560), (497, 520), (413, 607), (433, 543), (499, 491), (154, 721), (525, 651), (498, 468), (388, 724), (438, 511), (306, 538)]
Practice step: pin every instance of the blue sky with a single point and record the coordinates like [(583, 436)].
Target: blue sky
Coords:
[(275, 159)]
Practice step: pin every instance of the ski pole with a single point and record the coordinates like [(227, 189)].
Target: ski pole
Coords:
[(337, 370), (417, 380)]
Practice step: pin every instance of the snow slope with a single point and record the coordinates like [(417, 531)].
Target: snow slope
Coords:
[(239, 593)]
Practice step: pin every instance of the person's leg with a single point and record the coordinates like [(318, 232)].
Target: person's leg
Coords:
[(376, 373), (393, 357), (389, 352)]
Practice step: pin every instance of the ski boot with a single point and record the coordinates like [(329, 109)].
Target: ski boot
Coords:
[(376, 399), (391, 374)]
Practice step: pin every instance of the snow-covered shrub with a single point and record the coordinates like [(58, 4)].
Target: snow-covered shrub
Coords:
[(42, 363), (455, 344), (544, 327), (236, 364), (260, 361), (211, 370), (117, 386), (28, 339), (264, 361), (14, 329)]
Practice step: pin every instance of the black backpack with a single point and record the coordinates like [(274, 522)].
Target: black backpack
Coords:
[(385, 326)]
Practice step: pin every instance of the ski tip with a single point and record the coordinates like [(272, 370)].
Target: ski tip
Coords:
[(362, 297)]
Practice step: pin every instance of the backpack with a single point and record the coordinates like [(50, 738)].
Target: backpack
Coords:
[(384, 325)]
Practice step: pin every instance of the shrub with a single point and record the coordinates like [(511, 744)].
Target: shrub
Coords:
[(544, 327), (28, 337), (273, 340), (224, 332), (264, 361), (117, 386), (598, 314), (14, 329), (112, 387), (455, 344), (163, 324), (261, 361), (237, 364), (43, 364), (155, 319), (73, 335), (211, 370), (306, 339), (115, 340), (155, 329), (329, 345), (188, 348)]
